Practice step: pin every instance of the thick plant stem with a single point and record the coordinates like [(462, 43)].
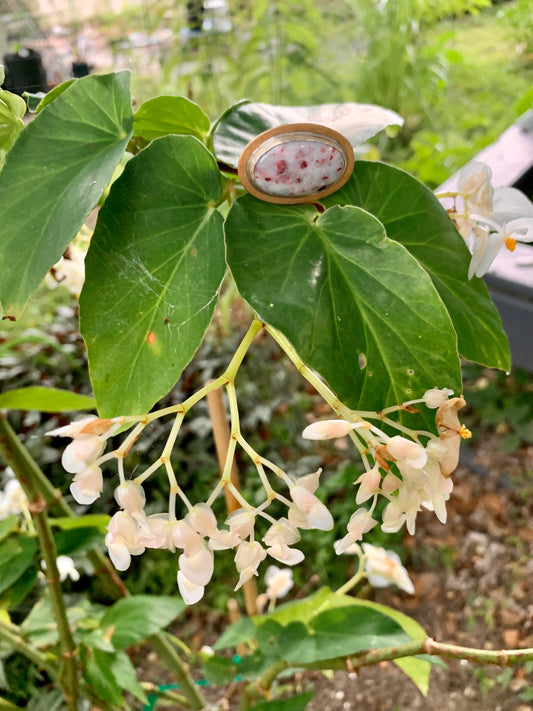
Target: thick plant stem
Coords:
[(502, 657), (166, 651), (16, 456), (12, 635), (27, 470)]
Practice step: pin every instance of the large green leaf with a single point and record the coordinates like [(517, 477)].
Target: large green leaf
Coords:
[(152, 274), (54, 175), (339, 632), (134, 618), (45, 400), (416, 668), (356, 306), (246, 120), (170, 114), (413, 216)]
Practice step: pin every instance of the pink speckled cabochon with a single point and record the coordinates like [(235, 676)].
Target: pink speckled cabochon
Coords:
[(298, 168), (296, 163)]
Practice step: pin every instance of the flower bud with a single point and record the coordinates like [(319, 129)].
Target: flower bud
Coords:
[(81, 452), (87, 485), (130, 496), (327, 429)]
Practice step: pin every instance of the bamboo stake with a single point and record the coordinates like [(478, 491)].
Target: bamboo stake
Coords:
[(221, 434)]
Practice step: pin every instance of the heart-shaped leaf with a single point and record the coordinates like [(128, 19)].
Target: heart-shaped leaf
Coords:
[(54, 175), (152, 274), (413, 216), (356, 306)]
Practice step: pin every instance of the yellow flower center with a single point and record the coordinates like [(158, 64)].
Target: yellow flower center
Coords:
[(510, 243), (465, 433)]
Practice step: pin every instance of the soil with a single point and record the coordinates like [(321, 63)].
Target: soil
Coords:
[(473, 586)]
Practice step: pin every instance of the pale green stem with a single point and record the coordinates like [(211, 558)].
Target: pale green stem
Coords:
[(352, 582), (228, 376)]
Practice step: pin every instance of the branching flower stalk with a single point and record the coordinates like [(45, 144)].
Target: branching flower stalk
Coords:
[(410, 470)]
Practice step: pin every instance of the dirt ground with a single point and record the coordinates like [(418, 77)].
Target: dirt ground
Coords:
[(474, 587)]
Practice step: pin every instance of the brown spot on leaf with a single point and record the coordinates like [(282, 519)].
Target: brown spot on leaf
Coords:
[(151, 338)]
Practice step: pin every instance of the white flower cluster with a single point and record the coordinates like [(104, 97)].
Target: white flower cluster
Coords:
[(13, 500), (83, 455), (490, 218), (131, 531), (407, 473)]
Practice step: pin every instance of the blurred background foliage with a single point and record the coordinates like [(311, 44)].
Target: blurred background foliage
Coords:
[(458, 71)]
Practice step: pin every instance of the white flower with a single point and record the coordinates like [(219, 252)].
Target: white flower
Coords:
[(475, 187), (202, 519), (491, 218), (405, 451), (279, 581), (13, 500), (327, 429), (402, 509), (123, 539), (281, 532), (130, 496), (285, 554), (360, 522), (81, 452), (88, 484), (241, 522), (198, 567), (247, 559), (69, 271), (189, 591), (369, 483), (85, 428), (435, 398), (311, 509), (385, 568), (66, 568)]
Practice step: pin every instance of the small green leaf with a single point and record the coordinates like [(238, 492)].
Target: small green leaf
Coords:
[(295, 703), (413, 216), (14, 595), (153, 273), (16, 555), (170, 114), (12, 109), (219, 670), (239, 632), (339, 632), (45, 400), (137, 617), (54, 175), (98, 674), (8, 525), (91, 521), (356, 306), (54, 93)]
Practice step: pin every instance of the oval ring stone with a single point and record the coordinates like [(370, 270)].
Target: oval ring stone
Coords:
[(296, 163)]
